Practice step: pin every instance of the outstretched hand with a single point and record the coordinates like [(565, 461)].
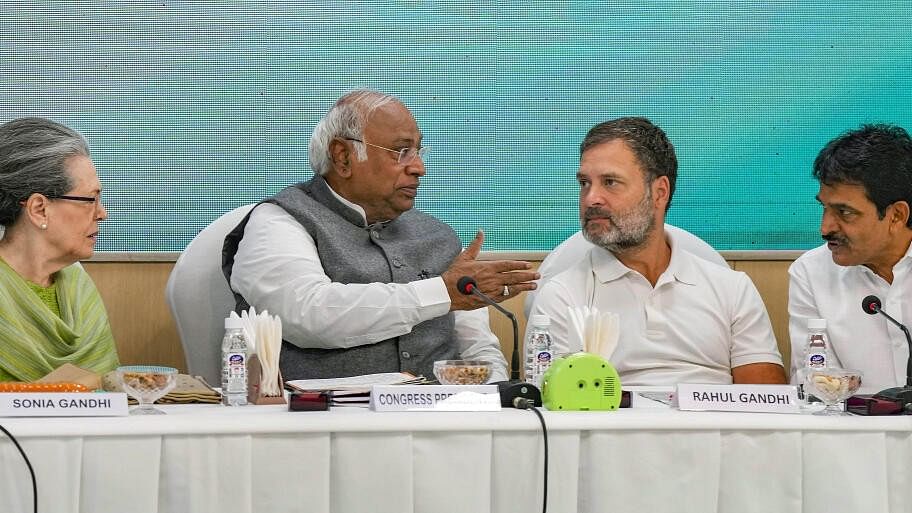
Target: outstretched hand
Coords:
[(499, 279)]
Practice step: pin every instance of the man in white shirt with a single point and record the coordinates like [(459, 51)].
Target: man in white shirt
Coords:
[(363, 282), (682, 319), (865, 180)]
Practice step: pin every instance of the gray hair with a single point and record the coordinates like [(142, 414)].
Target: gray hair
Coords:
[(33, 152), (345, 119)]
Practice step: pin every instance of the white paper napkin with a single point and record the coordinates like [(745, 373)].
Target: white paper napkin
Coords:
[(597, 332), (269, 335), (264, 338)]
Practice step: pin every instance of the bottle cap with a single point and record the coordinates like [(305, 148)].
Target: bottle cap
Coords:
[(234, 323), (816, 324), (539, 320)]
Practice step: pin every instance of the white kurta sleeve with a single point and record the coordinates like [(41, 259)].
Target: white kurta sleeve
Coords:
[(477, 341), (801, 307), (277, 268)]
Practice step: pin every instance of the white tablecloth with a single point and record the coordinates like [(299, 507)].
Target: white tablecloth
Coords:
[(209, 458)]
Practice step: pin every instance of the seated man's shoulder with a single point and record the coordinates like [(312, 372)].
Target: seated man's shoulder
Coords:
[(817, 258), (418, 224), (267, 213), (415, 215), (574, 276), (712, 275), (707, 268)]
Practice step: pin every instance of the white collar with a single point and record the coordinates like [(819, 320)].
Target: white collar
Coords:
[(606, 267), (354, 206)]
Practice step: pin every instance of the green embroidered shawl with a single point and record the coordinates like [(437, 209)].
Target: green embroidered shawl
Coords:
[(34, 341)]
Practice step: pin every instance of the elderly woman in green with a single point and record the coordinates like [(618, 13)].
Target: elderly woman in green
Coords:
[(50, 207)]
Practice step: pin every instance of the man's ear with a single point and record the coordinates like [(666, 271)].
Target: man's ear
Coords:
[(899, 214), (341, 157), (661, 192)]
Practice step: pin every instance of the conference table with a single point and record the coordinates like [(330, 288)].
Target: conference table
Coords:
[(210, 458)]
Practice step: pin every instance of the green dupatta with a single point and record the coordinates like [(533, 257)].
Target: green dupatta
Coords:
[(34, 341)]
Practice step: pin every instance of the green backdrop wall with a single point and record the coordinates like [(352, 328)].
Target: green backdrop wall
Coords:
[(193, 108)]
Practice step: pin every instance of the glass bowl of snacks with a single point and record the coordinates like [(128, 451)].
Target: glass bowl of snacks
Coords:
[(462, 372), (832, 386), (147, 384)]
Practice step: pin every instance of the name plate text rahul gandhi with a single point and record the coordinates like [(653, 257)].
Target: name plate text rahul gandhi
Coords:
[(746, 398)]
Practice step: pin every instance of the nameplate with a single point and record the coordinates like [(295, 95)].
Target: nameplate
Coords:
[(78, 404), (745, 398), (435, 398)]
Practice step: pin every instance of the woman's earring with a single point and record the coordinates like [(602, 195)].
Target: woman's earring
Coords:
[(44, 226)]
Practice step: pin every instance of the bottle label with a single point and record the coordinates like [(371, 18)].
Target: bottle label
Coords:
[(543, 357), (236, 364), (817, 361), (237, 373)]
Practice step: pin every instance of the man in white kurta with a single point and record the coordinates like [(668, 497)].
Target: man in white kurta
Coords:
[(362, 281), (821, 289), (290, 282), (865, 180), (682, 319)]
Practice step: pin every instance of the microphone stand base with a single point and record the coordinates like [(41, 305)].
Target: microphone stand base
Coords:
[(901, 395), (510, 390), (867, 404), (892, 401)]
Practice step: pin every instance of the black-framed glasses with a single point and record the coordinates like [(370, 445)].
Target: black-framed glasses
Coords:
[(406, 155), (84, 199)]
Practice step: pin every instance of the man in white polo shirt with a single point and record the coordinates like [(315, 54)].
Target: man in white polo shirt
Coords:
[(865, 180), (682, 318)]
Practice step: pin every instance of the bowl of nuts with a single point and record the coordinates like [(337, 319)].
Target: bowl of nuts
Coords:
[(462, 372), (832, 386), (147, 384)]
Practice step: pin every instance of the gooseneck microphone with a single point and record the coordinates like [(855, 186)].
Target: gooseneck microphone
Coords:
[(513, 393), (467, 286), (872, 306)]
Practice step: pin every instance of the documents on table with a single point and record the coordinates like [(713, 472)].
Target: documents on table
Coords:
[(354, 383), (354, 390)]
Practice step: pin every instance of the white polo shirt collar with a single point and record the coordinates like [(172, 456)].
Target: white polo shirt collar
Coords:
[(606, 267)]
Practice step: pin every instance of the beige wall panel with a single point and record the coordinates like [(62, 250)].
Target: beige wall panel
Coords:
[(134, 295), (503, 328)]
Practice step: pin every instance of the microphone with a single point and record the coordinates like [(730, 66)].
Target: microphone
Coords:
[(871, 306), (467, 286), (513, 393)]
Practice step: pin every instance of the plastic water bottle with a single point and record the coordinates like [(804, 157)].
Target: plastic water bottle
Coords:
[(815, 355), (234, 363), (538, 348)]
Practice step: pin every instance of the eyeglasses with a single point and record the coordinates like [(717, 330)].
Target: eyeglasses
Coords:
[(406, 155), (85, 199)]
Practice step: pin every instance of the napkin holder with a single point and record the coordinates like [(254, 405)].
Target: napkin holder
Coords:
[(254, 394)]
